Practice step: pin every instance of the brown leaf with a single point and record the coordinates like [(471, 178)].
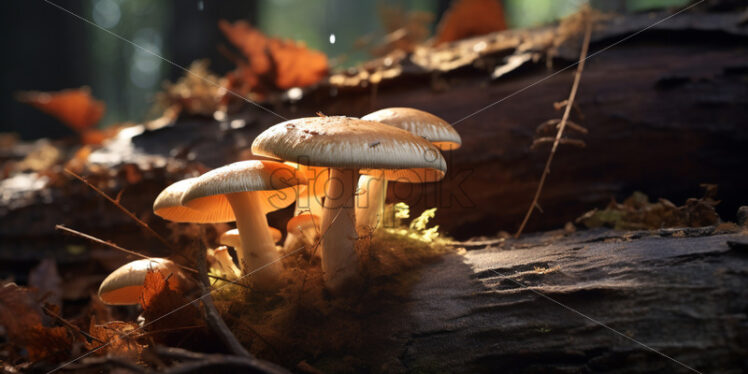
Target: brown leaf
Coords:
[(75, 107), (271, 63), (21, 316), (466, 18), (162, 297), (121, 338)]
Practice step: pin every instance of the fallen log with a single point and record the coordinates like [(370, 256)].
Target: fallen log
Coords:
[(593, 301)]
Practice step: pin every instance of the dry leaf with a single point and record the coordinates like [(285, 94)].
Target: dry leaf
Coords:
[(467, 18), (75, 107), (21, 316), (162, 297), (120, 337), (199, 92), (271, 63)]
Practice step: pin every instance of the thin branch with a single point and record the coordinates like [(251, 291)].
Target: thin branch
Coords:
[(202, 362), (212, 317), (562, 125), (547, 139), (70, 325), (136, 254), (122, 208)]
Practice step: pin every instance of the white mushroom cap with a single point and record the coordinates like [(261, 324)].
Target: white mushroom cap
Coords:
[(275, 182), (125, 285), (351, 143), (231, 238), (424, 124)]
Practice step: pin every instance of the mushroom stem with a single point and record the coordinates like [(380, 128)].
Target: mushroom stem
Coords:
[(257, 249), (339, 259), (372, 192)]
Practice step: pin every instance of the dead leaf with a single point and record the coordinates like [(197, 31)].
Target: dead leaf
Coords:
[(162, 297), (21, 316), (467, 18), (75, 107), (120, 337), (270, 63), (200, 92)]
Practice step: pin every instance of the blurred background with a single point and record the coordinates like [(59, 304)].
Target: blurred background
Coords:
[(49, 50)]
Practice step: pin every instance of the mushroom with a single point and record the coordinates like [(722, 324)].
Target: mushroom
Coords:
[(221, 260), (348, 146), (310, 195), (303, 230), (373, 188), (124, 286), (231, 238), (245, 191)]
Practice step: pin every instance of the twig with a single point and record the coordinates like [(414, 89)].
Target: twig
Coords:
[(216, 362), (70, 325), (562, 124), (131, 252), (211, 313), (547, 139), (112, 361), (122, 208)]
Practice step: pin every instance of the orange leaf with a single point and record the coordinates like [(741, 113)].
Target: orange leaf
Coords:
[(163, 297), (466, 18), (75, 108), (271, 63), (120, 337)]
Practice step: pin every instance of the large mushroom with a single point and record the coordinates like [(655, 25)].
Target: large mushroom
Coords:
[(348, 146), (244, 192), (125, 285), (372, 189)]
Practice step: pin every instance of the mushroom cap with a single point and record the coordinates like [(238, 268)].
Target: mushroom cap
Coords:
[(168, 204), (434, 129), (125, 285), (352, 143), (231, 238), (302, 222), (275, 182)]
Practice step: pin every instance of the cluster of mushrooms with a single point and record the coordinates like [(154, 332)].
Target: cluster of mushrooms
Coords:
[(334, 168)]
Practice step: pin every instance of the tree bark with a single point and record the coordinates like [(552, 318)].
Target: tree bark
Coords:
[(680, 292)]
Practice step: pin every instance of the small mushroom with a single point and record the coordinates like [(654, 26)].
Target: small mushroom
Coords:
[(342, 144), (124, 286), (373, 188), (245, 191), (221, 261), (232, 238), (304, 229)]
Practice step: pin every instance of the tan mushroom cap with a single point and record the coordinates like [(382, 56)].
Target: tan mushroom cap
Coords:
[(231, 238), (352, 143), (168, 204), (302, 222), (424, 124), (275, 182), (125, 285)]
